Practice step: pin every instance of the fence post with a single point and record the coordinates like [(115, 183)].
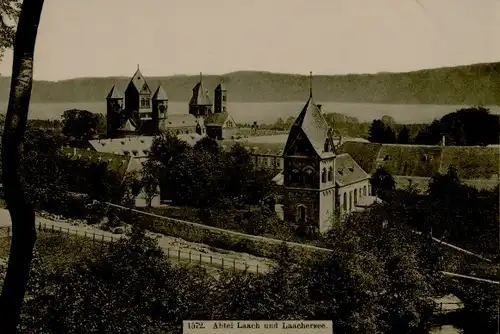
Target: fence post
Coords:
[(85, 233), (168, 253), (222, 263), (93, 238), (200, 258), (179, 255), (60, 229), (111, 238), (210, 259), (52, 227), (68, 230), (189, 256), (234, 265), (102, 238), (257, 268)]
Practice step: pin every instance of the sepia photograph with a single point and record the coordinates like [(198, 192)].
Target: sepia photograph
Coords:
[(258, 166)]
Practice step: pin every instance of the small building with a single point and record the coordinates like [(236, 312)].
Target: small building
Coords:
[(220, 125)]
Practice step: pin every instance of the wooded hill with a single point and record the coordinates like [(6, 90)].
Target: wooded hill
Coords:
[(477, 84)]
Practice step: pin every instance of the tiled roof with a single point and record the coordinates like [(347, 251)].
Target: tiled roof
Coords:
[(116, 162), (160, 94), (114, 94), (139, 82), (200, 96), (134, 146), (472, 162), (313, 125), (256, 148), (348, 171), (127, 126), (217, 118), (180, 120)]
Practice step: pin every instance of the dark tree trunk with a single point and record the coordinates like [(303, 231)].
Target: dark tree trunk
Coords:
[(21, 211)]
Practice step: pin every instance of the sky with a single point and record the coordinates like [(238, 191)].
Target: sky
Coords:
[(97, 38)]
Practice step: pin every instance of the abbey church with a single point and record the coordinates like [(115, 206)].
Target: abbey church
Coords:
[(140, 112)]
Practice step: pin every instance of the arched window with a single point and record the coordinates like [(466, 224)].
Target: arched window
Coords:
[(350, 200), (294, 176), (142, 102), (301, 214), (355, 196), (345, 202), (308, 175), (323, 175), (330, 173)]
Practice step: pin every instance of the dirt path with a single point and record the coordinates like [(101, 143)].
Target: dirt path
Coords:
[(175, 248)]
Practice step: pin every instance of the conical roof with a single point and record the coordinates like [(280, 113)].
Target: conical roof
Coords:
[(114, 94), (200, 95), (128, 126), (160, 94)]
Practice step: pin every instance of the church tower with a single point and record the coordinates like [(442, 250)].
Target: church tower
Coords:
[(114, 107), (220, 98), (309, 164), (200, 104), (160, 109), (138, 98)]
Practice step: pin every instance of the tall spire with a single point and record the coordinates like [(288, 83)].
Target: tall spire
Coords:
[(310, 84), (138, 67), (201, 76)]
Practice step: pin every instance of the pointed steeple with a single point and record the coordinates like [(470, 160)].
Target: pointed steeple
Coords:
[(160, 94), (200, 95), (114, 94), (311, 123), (310, 84), (139, 82)]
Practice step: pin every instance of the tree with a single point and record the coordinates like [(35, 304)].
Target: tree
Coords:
[(377, 131), (207, 144), (79, 125), (150, 180), (9, 10), (21, 210), (382, 183), (389, 136), (404, 136)]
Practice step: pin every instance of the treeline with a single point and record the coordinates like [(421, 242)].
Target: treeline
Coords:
[(222, 186), (476, 84), (458, 214), (465, 127), (131, 287)]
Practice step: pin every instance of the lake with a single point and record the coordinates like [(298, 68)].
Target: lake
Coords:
[(269, 112)]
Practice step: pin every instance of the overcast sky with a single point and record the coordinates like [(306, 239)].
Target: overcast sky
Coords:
[(82, 38)]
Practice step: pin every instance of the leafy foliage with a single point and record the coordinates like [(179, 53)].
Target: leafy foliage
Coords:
[(382, 183), (9, 14)]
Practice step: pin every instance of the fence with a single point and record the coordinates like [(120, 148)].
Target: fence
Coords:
[(174, 254)]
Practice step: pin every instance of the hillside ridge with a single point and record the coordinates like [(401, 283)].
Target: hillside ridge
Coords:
[(475, 84)]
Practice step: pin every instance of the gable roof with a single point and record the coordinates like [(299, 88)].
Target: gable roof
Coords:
[(313, 125), (347, 171), (139, 83), (114, 93), (200, 95), (181, 120), (127, 126), (218, 118), (136, 146), (160, 94), (115, 162)]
